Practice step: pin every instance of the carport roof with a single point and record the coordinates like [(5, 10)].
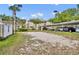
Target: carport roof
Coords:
[(67, 23)]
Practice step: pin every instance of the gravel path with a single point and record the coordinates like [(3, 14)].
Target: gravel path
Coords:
[(52, 38), (42, 43)]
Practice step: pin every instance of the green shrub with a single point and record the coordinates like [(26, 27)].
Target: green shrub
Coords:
[(22, 30)]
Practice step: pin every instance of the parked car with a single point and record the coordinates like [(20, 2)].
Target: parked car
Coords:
[(77, 29), (71, 29), (59, 29), (67, 29)]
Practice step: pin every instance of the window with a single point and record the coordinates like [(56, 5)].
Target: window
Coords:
[(8, 28)]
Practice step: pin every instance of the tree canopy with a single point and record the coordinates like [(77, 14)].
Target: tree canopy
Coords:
[(5, 17), (15, 7), (36, 20), (67, 15)]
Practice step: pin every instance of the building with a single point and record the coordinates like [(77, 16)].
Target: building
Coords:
[(29, 25), (5, 29)]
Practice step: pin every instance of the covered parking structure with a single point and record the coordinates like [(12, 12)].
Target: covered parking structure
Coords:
[(74, 23), (65, 23)]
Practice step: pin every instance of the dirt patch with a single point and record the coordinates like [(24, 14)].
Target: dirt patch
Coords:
[(38, 47)]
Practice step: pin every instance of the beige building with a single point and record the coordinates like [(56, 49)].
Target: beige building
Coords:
[(31, 25)]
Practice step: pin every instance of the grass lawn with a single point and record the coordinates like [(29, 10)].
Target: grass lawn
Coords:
[(10, 44), (70, 35)]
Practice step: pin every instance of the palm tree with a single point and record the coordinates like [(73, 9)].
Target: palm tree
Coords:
[(14, 8)]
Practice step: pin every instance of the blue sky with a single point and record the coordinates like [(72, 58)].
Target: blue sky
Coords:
[(44, 11)]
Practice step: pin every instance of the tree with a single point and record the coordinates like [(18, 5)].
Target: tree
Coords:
[(5, 17), (14, 8), (36, 21), (51, 20), (21, 22), (66, 15)]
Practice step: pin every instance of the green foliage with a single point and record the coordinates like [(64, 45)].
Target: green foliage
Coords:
[(9, 18), (36, 20), (67, 15), (21, 22), (76, 17), (56, 20), (22, 30), (10, 44), (51, 19), (70, 11), (5, 17), (15, 7)]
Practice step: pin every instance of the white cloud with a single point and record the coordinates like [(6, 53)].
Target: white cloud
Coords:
[(53, 13), (40, 14), (34, 15), (10, 4), (56, 4), (37, 15), (23, 17)]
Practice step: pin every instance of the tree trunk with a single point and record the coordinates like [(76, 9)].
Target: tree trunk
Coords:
[(14, 22)]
